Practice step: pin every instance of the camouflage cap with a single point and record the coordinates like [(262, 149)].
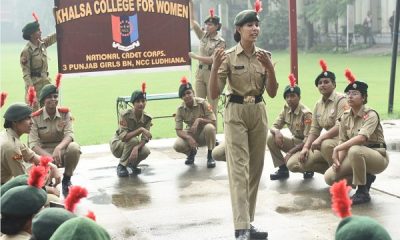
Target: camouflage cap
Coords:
[(80, 228), (23, 200), (46, 222), (17, 112), (246, 16), (29, 29)]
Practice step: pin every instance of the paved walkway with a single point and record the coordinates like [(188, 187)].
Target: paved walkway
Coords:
[(170, 200)]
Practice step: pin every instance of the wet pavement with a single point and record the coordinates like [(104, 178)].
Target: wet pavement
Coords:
[(170, 200)]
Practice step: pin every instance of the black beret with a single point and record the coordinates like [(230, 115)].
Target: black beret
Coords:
[(183, 88), (214, 20), (326, 74), (137, 95), (29, 29), (290, 89), (357, 85), (17, 112)]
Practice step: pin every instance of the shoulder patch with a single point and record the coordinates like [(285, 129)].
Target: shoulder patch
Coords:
[(308, 119), (123, 123), (37, 113), (147, 116), (63, 109)]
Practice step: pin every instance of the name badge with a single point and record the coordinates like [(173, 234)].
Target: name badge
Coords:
[(239, 67), (41, 128)]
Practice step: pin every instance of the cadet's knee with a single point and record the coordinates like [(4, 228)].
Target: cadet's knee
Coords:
[(74, 148), (145, 152), (209, 128), (293, 164), (179, 145), (218, 153), (354, 152), (329, 177)]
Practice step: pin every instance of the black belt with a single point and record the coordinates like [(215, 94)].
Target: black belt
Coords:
[(376, 145), (205, 67), (39, 74), (247, 99)]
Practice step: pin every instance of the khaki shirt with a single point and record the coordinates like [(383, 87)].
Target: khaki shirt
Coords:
[(299, 121), (327, 112), (34, 59), (365, 122), (184, 114), (19, 236), (49, 132), (246, 75), (13, 153), (129, 123), (208, 44)]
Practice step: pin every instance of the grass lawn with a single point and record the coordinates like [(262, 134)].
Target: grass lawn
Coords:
[(92, 100)]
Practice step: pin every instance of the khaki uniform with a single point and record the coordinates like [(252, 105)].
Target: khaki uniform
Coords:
[(19, 236), (299, 124), (13, 153), (360, 160), (129, 123), (245, 130), (207, 46), (324, 116), (205, 135), (47, 133), (34, 65)]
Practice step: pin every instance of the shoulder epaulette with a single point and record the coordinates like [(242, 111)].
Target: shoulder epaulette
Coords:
[(232, 49), (147, 115), (37, 113), (63, 109)]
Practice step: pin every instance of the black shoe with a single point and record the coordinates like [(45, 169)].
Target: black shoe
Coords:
[(65, 184), (281, 173), (122, 171), (256, 234), (242, 234), (190, 158), (307, 175), (210, 160), (135, 170), (360, 197), (216, 142), (370, 179)]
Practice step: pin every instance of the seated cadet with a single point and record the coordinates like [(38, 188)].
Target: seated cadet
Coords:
[(52, 134), (316, 154), (199, 118), (13, 153), (20, 204), (361, 152), (298, 119), (80, 228), (128, 143), (218, 153)]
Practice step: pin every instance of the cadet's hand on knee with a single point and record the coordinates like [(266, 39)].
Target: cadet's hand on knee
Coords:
[(55, 174), (147, 133), (193, 144), (134, 154), (53, 190), (335, 159), (57, 156), (303, 155), (278, 139), (316, 145)]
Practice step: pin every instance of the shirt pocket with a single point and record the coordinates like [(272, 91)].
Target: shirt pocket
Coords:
[(36, 61), (259, 77)]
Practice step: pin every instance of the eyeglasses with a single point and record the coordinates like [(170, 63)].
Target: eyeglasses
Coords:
[(355, 93)]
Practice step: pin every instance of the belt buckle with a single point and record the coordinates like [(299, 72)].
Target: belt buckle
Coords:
[(249, 99)]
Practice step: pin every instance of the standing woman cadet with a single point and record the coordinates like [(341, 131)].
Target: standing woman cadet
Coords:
[(361, 152), (33, 58), (249, 71), (209, 41)]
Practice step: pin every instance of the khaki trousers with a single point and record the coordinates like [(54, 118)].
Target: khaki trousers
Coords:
[(70, 156), (123, 150), (245, 139), (359, 161), (327, 147), (276, 151), (218, 153), (314, 163), (201, 87), (206, 137)]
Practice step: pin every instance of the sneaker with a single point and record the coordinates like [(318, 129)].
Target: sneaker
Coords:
[(122, 171), (308, 175)]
